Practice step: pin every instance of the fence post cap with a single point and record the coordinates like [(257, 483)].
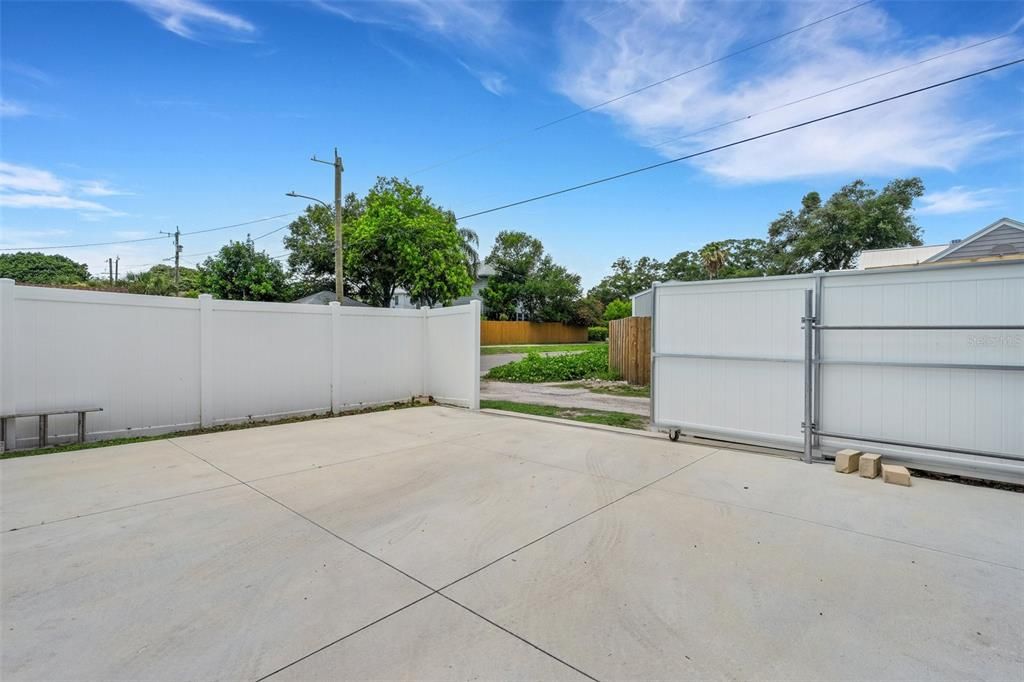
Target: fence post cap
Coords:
[(334, 304)]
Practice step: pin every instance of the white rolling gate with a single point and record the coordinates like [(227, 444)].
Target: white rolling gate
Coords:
[(924, 365)]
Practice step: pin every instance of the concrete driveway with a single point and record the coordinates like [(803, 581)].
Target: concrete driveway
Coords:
[(438, 543)]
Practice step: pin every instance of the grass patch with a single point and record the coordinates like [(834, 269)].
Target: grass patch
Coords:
[(535, 368), (620, 419), (89, 445), (625, 390), (543, 348)]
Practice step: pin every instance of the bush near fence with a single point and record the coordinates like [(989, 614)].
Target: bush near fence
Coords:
[(597, 333), (629, 349), (498, 333)]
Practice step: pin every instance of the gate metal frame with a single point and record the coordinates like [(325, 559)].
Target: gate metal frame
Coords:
[(812, 380)]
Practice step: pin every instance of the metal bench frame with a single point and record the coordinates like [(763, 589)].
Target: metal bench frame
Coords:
[(8, 431)]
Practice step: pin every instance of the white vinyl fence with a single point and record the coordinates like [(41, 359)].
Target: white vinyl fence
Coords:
[(157, 364), (923, 364)]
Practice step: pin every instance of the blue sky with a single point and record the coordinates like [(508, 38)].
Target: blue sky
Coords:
[(121, 119)]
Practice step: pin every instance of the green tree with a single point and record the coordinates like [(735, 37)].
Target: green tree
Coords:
[(618, 309), (685, 266), (829, 235), (514, 257), (588, 312), (39, 268), (159, 281), (239, 272), (628, 278), (470, 243), (403, 239), (714, 258), (310, 243), (552, 293)]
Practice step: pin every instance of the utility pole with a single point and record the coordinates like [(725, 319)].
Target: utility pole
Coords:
[(177, 257), (117, 264), (339, 275), (110, 270)]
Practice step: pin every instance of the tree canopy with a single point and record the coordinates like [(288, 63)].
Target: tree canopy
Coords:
[(820, 236), (40, 268), (526, 280), (239, 272), (403, 239), (618, 309), (829, 235), (159, 281)]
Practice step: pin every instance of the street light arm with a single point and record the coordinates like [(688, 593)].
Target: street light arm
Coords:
[(304, 196)]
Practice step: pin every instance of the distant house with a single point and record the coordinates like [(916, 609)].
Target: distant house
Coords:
[(1003, 239), (325, 297)]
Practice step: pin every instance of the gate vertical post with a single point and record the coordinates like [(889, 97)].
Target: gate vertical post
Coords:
[(808, 326), (654, 308)]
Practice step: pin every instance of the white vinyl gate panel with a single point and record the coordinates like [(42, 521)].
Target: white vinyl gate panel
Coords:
[(729, 363), (974, 409), (752, 389)]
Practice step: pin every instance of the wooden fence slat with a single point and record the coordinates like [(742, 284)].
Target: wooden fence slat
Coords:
[(629, 349), (498, 333)]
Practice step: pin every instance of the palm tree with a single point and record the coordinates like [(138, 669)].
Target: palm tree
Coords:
[(470, 243), (714, 259)]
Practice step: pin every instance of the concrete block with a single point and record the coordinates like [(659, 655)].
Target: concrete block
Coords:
[(870, 465), (893, 473), (847, 461)]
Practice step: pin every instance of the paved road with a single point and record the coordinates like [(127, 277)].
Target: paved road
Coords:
[(551, 394), (488, 362)]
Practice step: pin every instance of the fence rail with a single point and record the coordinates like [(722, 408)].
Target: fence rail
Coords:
[(629, 349), (497, 333)]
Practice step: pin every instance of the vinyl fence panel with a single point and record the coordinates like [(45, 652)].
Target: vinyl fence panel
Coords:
[(157, 364), (453, 355)]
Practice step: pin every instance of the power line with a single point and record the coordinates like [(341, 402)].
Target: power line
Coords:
[(75, 246), (643, 88), (744, 140), (248, 222), (832, 90), (145, 239)]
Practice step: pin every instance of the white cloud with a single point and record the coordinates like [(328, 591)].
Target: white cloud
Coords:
[(193, 18), (11, 109), (492, 81), (54, 201), (957, 199), (458, 20), (100, 188), (28, 179), (607, 54), (25, 187)]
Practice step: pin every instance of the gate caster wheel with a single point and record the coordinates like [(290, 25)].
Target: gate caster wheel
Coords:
[(673, 435)]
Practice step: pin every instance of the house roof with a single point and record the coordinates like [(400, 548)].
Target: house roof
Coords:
[(952, 248), (900, 255), (325, 297)]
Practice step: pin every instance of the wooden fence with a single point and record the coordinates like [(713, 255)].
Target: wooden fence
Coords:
[(629, 349), (494, 333)]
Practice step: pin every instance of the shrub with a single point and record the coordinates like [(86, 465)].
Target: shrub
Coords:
[(535, 368), (597, 333), (616, 310)]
